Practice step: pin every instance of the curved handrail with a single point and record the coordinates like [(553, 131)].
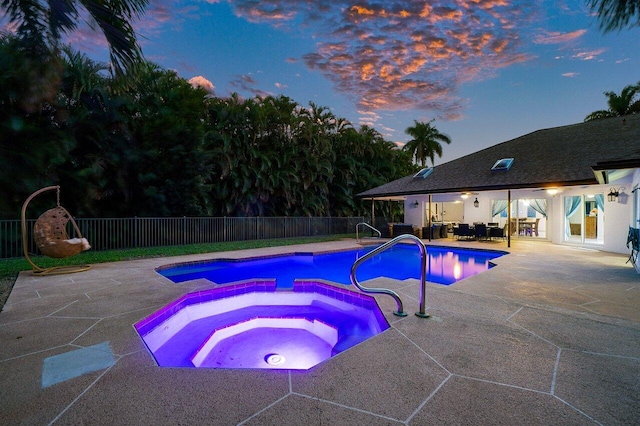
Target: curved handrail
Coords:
[(423, 267), (368, 226)]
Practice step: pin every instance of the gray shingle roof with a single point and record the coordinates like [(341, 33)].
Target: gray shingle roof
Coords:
[(559, 156)]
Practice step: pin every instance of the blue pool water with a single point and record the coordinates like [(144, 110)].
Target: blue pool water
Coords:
[(444, 266)]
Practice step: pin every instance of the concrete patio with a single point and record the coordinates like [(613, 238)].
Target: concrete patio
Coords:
[(551, 335)]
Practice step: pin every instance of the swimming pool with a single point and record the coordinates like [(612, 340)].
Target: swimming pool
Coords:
[(270, 312), (444, 266)]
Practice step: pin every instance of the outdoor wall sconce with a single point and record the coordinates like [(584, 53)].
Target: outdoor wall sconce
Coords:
[(416, 204), (613, 194), (476, 204)]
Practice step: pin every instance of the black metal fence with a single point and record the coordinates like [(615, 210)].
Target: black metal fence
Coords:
[(122, 233)]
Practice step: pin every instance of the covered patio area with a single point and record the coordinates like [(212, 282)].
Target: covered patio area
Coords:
[(575, 185)]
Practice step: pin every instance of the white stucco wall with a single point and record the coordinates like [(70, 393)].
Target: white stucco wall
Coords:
[(414, 215), (615, 223)]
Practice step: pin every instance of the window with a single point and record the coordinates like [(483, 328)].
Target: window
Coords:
[(503, 164), (423, 173)]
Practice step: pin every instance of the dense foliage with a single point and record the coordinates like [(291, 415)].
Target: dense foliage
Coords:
[(147, 143)]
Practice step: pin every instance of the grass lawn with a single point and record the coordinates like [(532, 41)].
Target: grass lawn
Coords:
[(10, 268)]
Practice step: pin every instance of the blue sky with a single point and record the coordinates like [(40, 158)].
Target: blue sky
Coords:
[(486, 70)]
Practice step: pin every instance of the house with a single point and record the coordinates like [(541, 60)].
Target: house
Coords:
[(577, 184)]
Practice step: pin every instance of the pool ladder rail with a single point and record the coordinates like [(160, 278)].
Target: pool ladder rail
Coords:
[(368, 226), (423, 267)]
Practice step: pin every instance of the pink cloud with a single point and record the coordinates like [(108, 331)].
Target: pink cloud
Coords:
[(368, 118), (86, 39), (558, 37), (589, 55), (271, 11), (200, 81), (397, 55), (161, 13), (385, 55)]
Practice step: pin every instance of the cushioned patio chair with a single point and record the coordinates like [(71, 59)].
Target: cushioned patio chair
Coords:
[(481, 231), (401, 229), (498, 232), (465, 231)]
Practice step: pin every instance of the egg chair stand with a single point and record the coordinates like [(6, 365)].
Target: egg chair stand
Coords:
[(51, 238)]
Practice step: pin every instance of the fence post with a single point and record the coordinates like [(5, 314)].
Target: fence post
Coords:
[(135, 231), (184, 230)]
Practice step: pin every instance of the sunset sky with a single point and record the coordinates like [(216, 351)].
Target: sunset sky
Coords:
[(486, 70)]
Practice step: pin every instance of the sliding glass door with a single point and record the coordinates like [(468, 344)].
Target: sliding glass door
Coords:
[(584, 218)]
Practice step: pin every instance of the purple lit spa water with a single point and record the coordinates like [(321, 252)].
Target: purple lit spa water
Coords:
[(255, 325), (271, 312)]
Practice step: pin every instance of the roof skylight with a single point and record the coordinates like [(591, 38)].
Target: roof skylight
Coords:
[(423, 173), (503, 164)]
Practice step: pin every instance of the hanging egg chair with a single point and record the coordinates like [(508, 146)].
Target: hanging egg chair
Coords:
[(51, 237)]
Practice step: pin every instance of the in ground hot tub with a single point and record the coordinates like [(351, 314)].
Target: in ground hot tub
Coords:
[(255, 325)]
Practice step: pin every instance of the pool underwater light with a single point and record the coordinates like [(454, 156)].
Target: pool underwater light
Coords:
[(274, 359)]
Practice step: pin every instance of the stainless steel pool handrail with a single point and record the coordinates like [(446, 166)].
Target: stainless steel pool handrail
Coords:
[(368, 226), (423, 268)]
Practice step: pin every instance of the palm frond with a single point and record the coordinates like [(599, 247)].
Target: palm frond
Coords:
[(616, 14)]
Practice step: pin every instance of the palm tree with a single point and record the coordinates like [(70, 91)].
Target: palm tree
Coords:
[(426, 141), (616, 14), (42, 23), (628, 102)]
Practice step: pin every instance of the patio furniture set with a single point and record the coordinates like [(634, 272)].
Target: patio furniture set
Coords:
[(479, 231)]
